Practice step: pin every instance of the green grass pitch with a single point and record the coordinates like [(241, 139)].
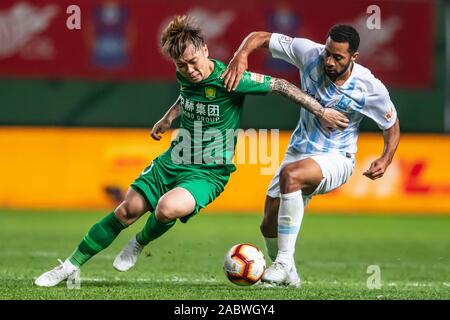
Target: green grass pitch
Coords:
[(332, 254)]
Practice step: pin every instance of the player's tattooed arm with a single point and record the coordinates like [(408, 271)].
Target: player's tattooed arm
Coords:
[(287, 89), (328, 117), (174, 111), (166, 121)]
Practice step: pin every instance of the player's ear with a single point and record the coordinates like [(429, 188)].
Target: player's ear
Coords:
[(354, 56), (205, 50)]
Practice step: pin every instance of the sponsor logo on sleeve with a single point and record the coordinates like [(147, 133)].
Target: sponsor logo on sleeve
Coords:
[(286, 39), (389, 114), (256, 77)]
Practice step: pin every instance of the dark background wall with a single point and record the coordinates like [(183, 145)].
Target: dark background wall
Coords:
[(57, 102)]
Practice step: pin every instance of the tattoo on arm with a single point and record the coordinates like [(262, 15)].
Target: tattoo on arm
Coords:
[(290, 91), (174, 111)]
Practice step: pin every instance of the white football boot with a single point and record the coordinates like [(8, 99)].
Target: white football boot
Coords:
[(277, 274), (293, 278), (62, 272), (128, 256)]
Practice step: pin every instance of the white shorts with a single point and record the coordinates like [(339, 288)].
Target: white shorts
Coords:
[(336, 169)]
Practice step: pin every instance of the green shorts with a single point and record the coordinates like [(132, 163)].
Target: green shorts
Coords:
[(162, 175)]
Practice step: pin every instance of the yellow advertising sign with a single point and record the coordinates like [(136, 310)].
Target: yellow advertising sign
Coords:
[(92, 168)]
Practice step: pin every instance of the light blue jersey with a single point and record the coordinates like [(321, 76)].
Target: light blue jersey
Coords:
[(361, 95)]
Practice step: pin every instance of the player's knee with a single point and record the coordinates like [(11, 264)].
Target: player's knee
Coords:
[(165, 211), (126, 213), (291, 175)]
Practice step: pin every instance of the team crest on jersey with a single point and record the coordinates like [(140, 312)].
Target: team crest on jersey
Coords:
[(210, 92), (343, 103)]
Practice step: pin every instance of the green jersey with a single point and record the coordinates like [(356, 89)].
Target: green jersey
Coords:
[(210, 117)]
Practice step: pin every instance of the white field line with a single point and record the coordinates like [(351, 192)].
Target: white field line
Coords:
[(342, 284), (149, 280), (331, 264), (399, 283), (48, 254), (212, 280), (338, 264), (175, 279)]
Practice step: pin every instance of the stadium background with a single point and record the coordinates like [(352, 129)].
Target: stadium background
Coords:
[(110, 74), (77, 105)]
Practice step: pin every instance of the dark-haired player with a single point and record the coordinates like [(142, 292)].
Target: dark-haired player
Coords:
[(317, 160)]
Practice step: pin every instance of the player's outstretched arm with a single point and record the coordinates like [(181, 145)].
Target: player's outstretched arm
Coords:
[(233, 73), (166, 121), (391, 141), (328, 117)]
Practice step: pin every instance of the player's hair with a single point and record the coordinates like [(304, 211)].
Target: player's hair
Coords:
[(178, 35), (345, 33)]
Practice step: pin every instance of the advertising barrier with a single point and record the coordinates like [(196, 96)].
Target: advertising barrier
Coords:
[(61, 168), (112, 39)]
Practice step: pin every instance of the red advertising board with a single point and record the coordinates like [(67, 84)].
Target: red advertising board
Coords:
[(119, 39)]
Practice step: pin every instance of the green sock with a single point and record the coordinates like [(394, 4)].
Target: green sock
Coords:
[(100, 236), (153, 229)]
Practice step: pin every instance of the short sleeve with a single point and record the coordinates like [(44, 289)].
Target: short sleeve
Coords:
[(254, 83), (292, 50), (379, 107)]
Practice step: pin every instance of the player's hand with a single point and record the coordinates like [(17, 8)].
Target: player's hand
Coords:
[(377, 169), (333, 119), (233, 73), (160, 127)]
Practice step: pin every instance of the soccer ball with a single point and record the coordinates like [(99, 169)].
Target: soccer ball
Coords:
[(244, 264)]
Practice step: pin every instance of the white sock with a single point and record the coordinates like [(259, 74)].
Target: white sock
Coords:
[(69, 265), (290, 217), (272, 247), (272, 251), (293, 267)]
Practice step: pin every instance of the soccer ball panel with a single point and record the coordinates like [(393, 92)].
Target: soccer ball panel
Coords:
[(244, 264)]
